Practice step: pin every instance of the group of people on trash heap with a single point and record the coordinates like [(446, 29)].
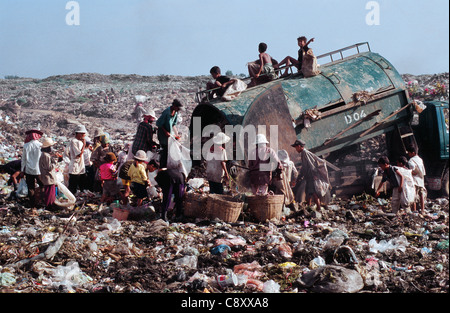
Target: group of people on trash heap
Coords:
[(95, 165), (264, 69), (407, 180)]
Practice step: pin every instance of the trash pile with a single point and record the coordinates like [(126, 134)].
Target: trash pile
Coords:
[(352, 246), (428, 87)]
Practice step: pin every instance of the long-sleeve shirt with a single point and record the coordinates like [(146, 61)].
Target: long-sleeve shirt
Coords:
[(144, 138), (166, 121), (47, 166), (30, 157), (262, 161)]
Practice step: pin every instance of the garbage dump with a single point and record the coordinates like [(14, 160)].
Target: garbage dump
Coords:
[(354, 245)]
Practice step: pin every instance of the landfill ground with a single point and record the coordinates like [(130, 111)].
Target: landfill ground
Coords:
[(353, 245)]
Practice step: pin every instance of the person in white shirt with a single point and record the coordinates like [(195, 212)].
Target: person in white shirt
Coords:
[(418, 172), (88, 165), (77, 169), (216, 169), (30, 163)]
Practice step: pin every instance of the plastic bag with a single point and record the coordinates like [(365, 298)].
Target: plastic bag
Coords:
[(234, 90), (407, 197), (179, 157), (321, 187), (22, 189), (64, 198), (271, 286), (398, 243)]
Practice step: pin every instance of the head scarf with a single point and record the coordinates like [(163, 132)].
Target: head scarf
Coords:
[(32, 136)]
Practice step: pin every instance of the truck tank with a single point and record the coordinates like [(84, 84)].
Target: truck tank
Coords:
[(353, 99)]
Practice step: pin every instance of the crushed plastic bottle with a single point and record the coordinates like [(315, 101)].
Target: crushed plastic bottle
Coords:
[(7, 279), (271, 286)]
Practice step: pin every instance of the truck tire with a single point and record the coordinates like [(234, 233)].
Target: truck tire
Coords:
[(445, 185)]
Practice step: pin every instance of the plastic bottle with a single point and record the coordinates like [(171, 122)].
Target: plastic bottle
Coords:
[(271, 287)]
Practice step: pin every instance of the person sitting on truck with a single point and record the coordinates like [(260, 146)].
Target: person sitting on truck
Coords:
[(392, 175), (303, 44), (418, 172), (263, 67), (221, 81)]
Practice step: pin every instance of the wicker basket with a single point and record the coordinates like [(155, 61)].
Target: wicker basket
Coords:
[(224, 207), (195, 205), (120, 214), (265, 207)]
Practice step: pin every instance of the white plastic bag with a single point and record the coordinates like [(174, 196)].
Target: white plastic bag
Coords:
[(22, 189), (68, 199), (179, 157), (408, 195), (234, 90)]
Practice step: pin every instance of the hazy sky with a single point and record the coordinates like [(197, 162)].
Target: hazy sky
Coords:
[(188, 37)]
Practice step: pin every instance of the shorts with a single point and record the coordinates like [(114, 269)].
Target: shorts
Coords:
[(126, 182), (139, 190), (110, 188), (420, 192)]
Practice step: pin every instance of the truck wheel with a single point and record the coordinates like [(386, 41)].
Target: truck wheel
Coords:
[(445, 185)]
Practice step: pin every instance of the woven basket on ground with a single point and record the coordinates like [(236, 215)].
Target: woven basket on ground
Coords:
[(224, 207), (195, 205), (265, 207)]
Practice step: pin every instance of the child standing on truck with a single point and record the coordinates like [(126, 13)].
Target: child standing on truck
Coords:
[(418, 172)]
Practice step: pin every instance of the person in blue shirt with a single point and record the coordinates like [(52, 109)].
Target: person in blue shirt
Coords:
[(166, 127)]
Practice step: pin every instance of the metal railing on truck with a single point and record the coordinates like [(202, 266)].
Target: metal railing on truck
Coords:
[(199, 96)]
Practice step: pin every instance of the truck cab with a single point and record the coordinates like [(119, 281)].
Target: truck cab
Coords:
[(431, 130)]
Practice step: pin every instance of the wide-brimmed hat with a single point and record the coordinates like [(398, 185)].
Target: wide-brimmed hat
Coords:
[(110, 157), (98, 132), (37, 131), (150, 112), (47, 142), (141, 155), (80, 129), (221, 139), (283, 155), (260, 138), (298, 142)]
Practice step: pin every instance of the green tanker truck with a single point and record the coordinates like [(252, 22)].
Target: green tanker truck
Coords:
[(358, 96)]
